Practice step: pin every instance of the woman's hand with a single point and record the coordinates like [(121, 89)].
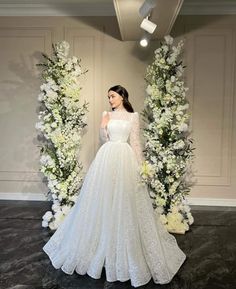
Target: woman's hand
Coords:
[(105, 119)]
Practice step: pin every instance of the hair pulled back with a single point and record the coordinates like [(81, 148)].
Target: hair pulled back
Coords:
[(125, 95)]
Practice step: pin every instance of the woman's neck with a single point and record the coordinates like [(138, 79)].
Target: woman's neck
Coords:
[(120, 109)]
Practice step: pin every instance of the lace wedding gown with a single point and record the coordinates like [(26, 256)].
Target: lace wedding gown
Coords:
[(113, 224)]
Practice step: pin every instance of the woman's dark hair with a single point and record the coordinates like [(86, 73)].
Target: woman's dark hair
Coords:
[(125, 95)]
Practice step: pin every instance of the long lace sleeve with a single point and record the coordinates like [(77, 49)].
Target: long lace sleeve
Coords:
[(103, 135), (135, 137)]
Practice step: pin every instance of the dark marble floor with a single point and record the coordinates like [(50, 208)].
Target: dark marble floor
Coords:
[(210, 247)]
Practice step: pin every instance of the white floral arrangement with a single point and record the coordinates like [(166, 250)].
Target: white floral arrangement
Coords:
[(168, 148), (62, 118)]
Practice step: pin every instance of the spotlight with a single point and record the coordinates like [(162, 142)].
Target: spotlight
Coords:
[(144, 41), (148, 25), (146, 8)]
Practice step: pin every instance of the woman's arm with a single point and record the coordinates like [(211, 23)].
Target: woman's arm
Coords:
[(103, 135), (135, 138)]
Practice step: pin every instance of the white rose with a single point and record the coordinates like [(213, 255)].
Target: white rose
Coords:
[(54, 124), (175, 210), (149, 89), (183, 127), (74, 59), (168, 39), (54, 196), (39, 125), (78, 70), (55, 207), (66, 209), (184, 107), (59, 216), (47, 216), (40, 96), (163, 219), (52, 226), (165, 48), (186, 226), (73, 198), (44, 224), (187, 209), (190, 218)]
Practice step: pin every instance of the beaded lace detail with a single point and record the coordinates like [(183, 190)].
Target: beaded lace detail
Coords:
[(134, 136)]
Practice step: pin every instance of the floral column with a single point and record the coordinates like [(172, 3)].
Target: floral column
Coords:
[(61, 122), (168, 147)]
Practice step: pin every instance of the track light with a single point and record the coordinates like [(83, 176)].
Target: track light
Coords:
[(146, 8), (148, 25), (145, 11)]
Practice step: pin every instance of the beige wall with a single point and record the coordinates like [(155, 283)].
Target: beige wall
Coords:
[(109, 61), (209, 56), (210, 76)]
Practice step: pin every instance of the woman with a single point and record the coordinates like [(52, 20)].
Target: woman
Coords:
[(112, 224)]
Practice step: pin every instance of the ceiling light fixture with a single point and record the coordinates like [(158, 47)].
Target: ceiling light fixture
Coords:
[(148, 25)]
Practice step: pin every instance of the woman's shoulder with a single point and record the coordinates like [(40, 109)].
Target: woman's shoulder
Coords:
[(105, 113), (135, 114)]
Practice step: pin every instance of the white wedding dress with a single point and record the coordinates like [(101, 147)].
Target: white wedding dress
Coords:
[(113, 224)]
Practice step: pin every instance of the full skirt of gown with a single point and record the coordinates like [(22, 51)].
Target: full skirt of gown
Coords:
[(113, 225)]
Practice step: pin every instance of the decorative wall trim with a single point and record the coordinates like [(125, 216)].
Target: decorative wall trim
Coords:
[(17, 33), (88, 43), (174, 16), (57, 9), (191, 201), (210, 7), (71, 8), (225, 36)]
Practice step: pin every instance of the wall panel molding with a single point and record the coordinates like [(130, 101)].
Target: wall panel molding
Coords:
[(20, 176), (210, 79), (12, 99), (87, 45)]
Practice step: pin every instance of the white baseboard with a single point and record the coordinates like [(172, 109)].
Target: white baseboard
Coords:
[(191, 201), (23, 196), (212, 202)]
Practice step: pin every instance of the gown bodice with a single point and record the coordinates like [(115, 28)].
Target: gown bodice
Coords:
[(119, 130), (123, 127)]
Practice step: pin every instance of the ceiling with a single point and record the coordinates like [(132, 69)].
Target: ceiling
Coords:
[(126, 11), (129, 19)]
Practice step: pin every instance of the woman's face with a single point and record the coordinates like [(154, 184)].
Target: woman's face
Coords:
[(115, 100)]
